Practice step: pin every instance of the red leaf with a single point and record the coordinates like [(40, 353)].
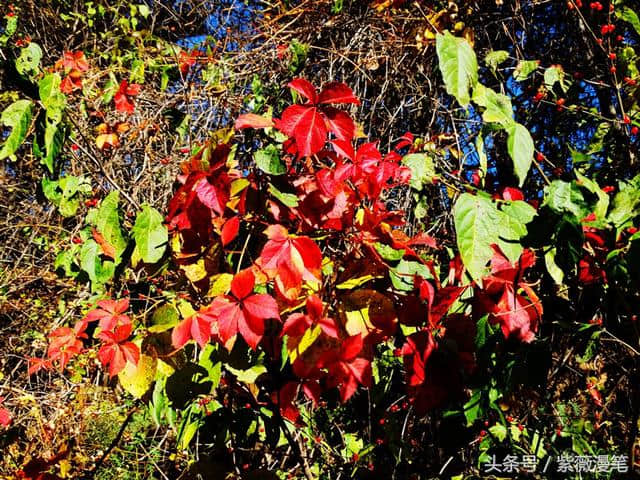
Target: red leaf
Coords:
[(116, 351), (243, 283), (230, 230), (306, 125), (337, 92), (251, 120), (214, 196), (340, 123), (351, 347), (109, 313), (261, 306), (107, 249), (290, 260), (5, 416), (196, 327), (416, 353), (304, 88)]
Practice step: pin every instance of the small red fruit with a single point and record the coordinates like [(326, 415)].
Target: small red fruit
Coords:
[(619, 38), (520, 427), (612, 56), (482, 433), (355, 457), (626, 120), (634, 130), (613, 69), (539, 157)]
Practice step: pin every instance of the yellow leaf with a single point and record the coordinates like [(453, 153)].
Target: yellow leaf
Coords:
[(196, 271), (310, 336), (220, 284), (137, 379), (355, 282), (358, 322)]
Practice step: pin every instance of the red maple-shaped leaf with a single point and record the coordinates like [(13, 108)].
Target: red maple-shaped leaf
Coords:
[(517, 314), (36, 364), (110, 313), (65, 343), (243, 311), (116, 351), (124, 96), (290, 260), (309, 124), (75, 61), (196, 327), (298, 323)]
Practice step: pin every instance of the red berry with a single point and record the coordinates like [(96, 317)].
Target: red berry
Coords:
[(482, 433), (370, 466), (76, 240), (539, 157), (634, 130), (74, 147), (509, 418), (247, 405), (619, 38), (382, 421), (379, 441), (486, 423), (613, 69), (520, 427), (612, 56), (560, 102), (318, 439), (355, 457), (538, 96), (626, 120)]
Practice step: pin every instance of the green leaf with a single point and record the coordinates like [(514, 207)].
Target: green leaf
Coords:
[(250, 375), (289, 199), (628, 15), (566, 197), (9, 29), (498, 108), (553, 75), (524, 69), (268, 160), (479, 223), (499, 431), (29, 60), (422, 169), (150, 235), (602, 205), (17, 116), (626, 203), (99, 272), (495, 58), (389, 253), (164, 318), (458, 65), (402, 277), (520, 147), (108, 224)]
